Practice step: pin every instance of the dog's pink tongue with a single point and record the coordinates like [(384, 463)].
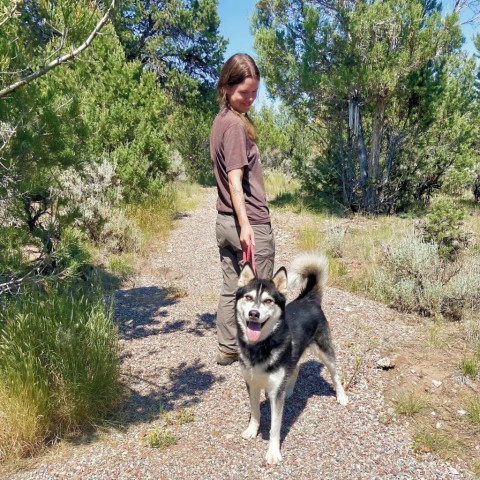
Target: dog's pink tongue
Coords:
[(253, 331)]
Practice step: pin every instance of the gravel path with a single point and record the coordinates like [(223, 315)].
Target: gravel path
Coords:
[(168, 346)]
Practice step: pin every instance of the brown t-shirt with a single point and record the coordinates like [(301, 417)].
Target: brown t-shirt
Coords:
[(231, 148)]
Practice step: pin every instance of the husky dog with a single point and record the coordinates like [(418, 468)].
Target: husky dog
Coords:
[(272, 338)]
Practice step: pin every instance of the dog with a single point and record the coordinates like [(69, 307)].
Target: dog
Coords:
[(272, 338)]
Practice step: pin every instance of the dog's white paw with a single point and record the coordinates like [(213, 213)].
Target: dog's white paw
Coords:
[(273, 456), (250, 432), (342, 398)]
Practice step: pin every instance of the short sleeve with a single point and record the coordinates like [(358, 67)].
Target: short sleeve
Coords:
[(235, 147)]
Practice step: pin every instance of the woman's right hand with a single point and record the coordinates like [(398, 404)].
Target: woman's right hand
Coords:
[(247, 236)]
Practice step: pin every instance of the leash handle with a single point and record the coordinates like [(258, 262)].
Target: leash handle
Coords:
[(249, 256)]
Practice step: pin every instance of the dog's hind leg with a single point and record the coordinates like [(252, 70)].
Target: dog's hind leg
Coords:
[(327, 357), (252, 430), (291, 383), (277, 402)]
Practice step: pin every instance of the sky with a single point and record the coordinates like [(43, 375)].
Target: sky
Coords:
[(235, 25)]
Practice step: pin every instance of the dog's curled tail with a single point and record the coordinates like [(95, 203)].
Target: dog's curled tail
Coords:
[(309, 271)]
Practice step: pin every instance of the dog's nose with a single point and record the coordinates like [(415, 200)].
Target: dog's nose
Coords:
[(254, 314)]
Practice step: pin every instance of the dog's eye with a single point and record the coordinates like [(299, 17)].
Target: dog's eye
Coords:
[(268, 301), (249, 298)]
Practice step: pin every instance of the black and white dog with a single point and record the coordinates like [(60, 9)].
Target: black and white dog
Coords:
[(272, 338)]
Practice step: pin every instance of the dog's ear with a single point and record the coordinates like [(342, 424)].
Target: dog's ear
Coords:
[(280, 280), (246, 275)]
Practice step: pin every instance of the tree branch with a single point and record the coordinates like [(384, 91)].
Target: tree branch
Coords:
[(10, 14), (42, 71)]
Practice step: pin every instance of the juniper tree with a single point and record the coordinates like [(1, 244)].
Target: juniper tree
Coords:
[(177, 39), (369, 77), (94, 109)]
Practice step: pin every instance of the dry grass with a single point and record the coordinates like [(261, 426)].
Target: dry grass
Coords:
[(437, 442), (21, 427), (155, 216), (159, 438), (180, 417)]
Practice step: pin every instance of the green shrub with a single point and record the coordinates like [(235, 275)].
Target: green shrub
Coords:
[(443, 225), (59, 366), (72, 253), (13, 259)]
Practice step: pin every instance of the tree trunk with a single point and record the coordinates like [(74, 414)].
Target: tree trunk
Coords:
[(363, 163), (344, 166), (375, 151), (377, 136)]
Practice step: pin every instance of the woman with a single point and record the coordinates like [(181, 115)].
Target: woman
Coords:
[(243, 216)]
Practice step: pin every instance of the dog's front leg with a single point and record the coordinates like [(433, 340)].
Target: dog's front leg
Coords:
[(277, 402), (252, 430)]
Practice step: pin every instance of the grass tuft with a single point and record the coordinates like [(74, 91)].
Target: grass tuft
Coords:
[(409, 403), (434, 442), (474, 411), (158, 438), (181, 417), (470, 367)]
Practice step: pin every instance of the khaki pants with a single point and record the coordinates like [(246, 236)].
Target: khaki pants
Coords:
[(228, 240)]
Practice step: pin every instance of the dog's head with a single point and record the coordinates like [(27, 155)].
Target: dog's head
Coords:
[(259, 303)]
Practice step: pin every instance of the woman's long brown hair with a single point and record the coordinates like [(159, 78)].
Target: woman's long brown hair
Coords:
[(236, 69)]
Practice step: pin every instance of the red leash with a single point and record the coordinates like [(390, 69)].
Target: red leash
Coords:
[(249, 256)]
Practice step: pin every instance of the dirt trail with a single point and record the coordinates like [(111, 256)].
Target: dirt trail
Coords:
[(168, 346)]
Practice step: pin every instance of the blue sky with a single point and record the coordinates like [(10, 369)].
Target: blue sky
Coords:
[(235, 25)]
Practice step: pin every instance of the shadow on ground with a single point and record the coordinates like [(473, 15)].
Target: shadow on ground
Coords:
[(139, 311), (142, 312), (188, 382), (309, 384), (203, 323)]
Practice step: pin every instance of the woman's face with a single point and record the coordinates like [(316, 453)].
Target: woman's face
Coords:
[(242, 95)]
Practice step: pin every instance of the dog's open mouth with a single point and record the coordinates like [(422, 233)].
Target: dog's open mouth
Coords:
[(254, 329)]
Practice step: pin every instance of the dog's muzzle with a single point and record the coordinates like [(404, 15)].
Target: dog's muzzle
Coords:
[(254, 328)]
